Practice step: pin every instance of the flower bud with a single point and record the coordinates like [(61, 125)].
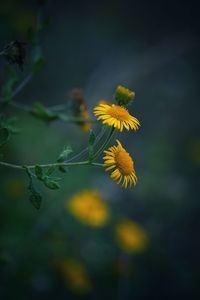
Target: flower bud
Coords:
[(123, 96)]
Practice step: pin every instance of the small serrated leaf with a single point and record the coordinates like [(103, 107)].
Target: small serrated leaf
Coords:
[(92, 138), (62, 169), (50, 171), (51, 184), (7, 88), (35, 197), (64, 154), (38, 60), (42, 113), (39, 172), (36, 200)]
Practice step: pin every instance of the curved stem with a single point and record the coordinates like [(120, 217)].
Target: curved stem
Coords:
[(98, 138), (22, 85), (97, 164), (105, 143)]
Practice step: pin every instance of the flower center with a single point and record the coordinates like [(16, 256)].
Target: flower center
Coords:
[(118, 112), (124, 162)]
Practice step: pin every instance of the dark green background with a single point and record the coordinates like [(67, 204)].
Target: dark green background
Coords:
[(152, 48)]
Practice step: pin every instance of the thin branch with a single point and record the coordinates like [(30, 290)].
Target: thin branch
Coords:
[(84, 151), (5, 164), (22, 85), (58, 108), (17, 91)]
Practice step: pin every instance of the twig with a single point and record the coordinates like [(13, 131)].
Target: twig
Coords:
[(21, 167)]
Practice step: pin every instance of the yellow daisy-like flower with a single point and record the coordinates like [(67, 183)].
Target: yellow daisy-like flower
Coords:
[(75, 275), (117, 116), (118, 159), (89, 207), (130, 236)]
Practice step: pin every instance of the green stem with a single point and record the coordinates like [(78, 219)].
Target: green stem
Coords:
[(21, 167), (76, 119), (96, 164), (105, 143)]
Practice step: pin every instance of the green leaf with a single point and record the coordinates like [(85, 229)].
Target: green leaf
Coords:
[(38, 60), (51, 184), (9, 124), (91, 141), (4, 136), (50, 171), (92, 138), (38, 64), (62, 169), (42, 113), (45, 177), (64, 154), (7, 88), (39, 172), (35, 197)]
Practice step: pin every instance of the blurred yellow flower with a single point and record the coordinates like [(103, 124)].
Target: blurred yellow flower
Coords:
[(75, 276), (118, 158), (85, 123), (130, 236), (124, 96), (15, 188), (116, 116), (78, 107), (89, 208)]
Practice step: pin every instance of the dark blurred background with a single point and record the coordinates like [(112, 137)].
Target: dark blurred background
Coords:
[(151, 47)]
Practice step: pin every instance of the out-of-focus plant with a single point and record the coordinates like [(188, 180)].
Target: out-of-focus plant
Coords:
[(89, 208), (130, 236), (75, 276), (114, 118)]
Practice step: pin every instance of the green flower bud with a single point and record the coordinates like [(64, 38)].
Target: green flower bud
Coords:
[(123, 96)]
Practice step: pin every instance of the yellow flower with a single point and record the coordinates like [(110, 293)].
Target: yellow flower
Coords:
[(75, 276), (123, 96), (117, 116), (118, 159), (130, 236), (89, 208)]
